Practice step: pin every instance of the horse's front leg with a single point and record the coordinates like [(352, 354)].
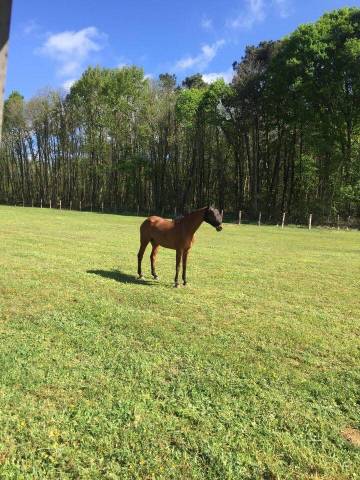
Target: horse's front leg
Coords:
[(178, 260), (184, 263)]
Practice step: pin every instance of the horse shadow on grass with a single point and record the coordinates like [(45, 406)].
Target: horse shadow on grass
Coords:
[(121, 277)]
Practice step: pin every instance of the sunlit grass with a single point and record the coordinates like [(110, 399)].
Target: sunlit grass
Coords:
[(251, 371)]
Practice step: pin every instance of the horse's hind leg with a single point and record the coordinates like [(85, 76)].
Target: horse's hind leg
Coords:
[(142, 249), (153, 254)]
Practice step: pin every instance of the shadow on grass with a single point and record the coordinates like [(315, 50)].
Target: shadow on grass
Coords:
[(121, 277)]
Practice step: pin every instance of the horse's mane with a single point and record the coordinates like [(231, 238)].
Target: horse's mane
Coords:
[(179, 218), (184, 215)]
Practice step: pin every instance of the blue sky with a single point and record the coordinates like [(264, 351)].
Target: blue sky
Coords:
[(53, 42)]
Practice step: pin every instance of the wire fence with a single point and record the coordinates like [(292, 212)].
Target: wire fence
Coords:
[(241, 217)]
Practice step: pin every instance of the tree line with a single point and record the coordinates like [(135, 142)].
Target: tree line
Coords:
[(283, 136)]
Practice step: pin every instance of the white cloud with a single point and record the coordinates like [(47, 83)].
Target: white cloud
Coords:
[(253, 14), (71, 49), (31, 27), (68, 84), (69, 68), (284, 7), (211, 77), (78, 44), (202, 60), (206, 23), (124, 62)]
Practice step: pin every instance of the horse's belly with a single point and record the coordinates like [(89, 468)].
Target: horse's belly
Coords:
[(168, 245), (166, 242), (165, 239)]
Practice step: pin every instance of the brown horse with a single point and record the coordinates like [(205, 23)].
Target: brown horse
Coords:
[(176, 234)]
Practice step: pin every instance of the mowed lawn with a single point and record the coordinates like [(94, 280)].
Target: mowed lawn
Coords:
[(250, 372)]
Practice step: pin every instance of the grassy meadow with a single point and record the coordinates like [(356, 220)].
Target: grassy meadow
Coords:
[(250, 372)]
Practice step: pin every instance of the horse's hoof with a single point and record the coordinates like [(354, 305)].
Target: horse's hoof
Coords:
[(185, 283), (176, 285), (155, 277), (141, 277)]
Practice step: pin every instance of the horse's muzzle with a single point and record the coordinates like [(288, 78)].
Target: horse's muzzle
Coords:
[(219, 228)]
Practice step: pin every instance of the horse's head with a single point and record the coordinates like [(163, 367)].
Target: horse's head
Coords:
[(213, 217)]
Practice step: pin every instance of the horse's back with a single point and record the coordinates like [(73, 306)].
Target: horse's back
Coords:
[(154, 220), (159, 230), (155, 223)]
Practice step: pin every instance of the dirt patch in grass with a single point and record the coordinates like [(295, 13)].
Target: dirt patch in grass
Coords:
[(352, 435)]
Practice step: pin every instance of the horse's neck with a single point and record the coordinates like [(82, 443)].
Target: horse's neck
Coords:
[(194, 220)]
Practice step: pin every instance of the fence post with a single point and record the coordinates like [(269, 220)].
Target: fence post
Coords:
[(222, 214), (338, 222), (310, 221), (137, 210), (23, 202), (239, 220), (50, 202), (175, 212), (283, 220), (349, 222), (91, 208), (70, 205), (41, 203), (80, 206), (259, 221), (102, 207)]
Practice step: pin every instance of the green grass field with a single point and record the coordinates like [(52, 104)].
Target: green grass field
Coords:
[(250, 372)]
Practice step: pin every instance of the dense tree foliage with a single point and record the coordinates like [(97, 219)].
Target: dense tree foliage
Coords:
[(283, 136)]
